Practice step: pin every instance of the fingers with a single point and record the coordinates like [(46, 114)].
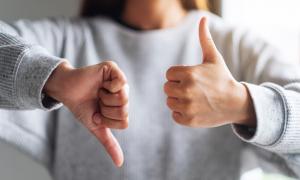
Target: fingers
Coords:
[(180, 74), (173, 89), (178, 117), (189, 75), (174, 104), (114, 99), (111, 123), (107, 139), (114, 108), (208, 46), (119, 113), (176, 73), (180, 94), (111, 145), (114, 79), (104, 135)]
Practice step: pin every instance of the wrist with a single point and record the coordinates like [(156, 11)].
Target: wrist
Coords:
[(55, 86), (245, 113)]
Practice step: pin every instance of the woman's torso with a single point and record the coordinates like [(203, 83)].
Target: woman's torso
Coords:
[(154, 146)]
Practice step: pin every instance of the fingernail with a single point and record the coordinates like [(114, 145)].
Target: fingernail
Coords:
[(97, 119)]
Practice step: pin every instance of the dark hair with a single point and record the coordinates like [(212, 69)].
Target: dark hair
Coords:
[(114, 8), (110, 8)]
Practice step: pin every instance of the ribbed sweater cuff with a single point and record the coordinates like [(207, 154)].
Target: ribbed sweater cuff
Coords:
[(278, 119), (35, 67)]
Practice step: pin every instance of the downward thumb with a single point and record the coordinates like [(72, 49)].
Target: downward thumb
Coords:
[(209, 50)]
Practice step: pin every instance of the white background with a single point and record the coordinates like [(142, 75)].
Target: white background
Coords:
[(276, 20)]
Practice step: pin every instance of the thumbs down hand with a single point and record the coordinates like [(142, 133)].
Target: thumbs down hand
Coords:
[(97, 96)]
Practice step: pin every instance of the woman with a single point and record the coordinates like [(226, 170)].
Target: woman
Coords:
[(148, 39)]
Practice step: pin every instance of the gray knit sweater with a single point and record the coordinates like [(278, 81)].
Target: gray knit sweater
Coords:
[(155, 147)]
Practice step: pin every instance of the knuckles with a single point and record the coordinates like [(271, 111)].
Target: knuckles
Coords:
[(110, 63), (185, 107), (167, 88), (186, 91), (122, 98), (124, 124), (170, 72), (174, 71), (182, 120), (191, 74), (123, 112), (188, 109), (113, 124), (177, 118), (119, 112), (186, 115), (170, 103)]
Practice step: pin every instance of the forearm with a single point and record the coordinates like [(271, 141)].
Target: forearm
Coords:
[(25, 69), (277, 112), (278, 126), (243, 112), (56, 85), (276, 109)]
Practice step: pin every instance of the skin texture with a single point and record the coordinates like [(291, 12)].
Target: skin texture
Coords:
[(207, 95), (98, 97), (96, 94), (153, 14), (199, 96)]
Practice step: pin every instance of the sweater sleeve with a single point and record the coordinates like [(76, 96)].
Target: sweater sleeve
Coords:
[(274, 86), (29, 52)]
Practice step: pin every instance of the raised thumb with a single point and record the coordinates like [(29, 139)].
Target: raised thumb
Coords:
[(209, 50)]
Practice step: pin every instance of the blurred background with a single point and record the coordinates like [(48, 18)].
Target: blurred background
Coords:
[(274, 20), (13, 164)]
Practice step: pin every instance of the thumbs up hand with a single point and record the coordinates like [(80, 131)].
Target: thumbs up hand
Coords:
[(207, 95)]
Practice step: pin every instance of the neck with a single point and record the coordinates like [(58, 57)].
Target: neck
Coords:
[(153, 14)]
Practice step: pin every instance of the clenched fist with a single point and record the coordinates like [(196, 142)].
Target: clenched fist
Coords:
[(207, 95), (97, 96)]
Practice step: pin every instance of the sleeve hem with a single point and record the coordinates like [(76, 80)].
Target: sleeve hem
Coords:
[(270, 115), (277, 130), (289, 142), (35, 67)]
